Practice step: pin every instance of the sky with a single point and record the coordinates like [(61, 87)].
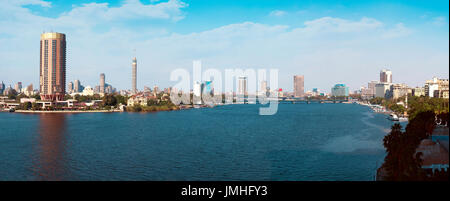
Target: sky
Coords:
[(328, 42)]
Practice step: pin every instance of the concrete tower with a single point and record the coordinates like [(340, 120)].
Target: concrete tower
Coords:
[(299, 86), (77, 86), (242, 85), (102, 83), (70, 87), (133, 75)]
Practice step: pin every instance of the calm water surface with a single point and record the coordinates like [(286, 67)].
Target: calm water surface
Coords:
[(300, 142)]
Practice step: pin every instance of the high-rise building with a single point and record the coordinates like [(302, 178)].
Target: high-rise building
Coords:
[(77, 86), (339, 90), (398, 90), (29, 91), (70, 87), (102, 83), (242, 85), (208, 87), (18, 87), (133, 76), (382, 89), (2, 88), (53, 66), (109, 89), (263, 89), (299, 85), (386, 76), (371, 86)]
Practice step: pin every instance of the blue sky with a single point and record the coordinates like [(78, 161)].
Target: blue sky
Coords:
[(327, 41)]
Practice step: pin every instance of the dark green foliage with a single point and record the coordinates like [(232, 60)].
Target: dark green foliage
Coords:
[(67, 97), (401, 162), (121, 99), (12, 94), (109, 100)]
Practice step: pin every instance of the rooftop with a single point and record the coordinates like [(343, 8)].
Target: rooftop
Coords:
[(433, 153)]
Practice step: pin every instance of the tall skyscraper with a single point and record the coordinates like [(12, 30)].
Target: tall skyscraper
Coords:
[(70, 87), (242, 87), (102, 83), (18, 87), (52, 66), (2, 88), (133, 75), (263, 87), (386, 76), (371, 85), (29, 91), (299, 85), (77, 86)]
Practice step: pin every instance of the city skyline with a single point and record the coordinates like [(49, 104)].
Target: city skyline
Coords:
[(409, 45)]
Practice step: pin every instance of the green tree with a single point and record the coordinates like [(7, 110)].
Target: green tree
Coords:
[(12, 94), (152, 102), (401, 162), (376, 101), (399, 109), (121, 99), (35, 106), (109, 100), (67, 97), (18, 97), (27, 105), (36, 96)]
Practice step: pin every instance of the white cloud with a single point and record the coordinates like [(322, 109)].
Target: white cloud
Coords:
[(440, 21), (325, 50), (131, 9), (277, 13), (398, 31), (32, 2), (330, 24)]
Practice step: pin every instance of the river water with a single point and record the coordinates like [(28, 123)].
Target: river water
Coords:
[(302, 142)]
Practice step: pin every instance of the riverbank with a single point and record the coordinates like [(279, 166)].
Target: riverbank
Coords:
[(67, 111)]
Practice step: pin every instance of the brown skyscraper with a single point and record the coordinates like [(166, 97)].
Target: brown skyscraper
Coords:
[(52, 66), (386, 76), (299, 83)]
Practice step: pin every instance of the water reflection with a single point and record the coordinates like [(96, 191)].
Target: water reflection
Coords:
[(50, 151)]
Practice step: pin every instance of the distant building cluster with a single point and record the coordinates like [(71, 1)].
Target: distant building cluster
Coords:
[(28, 91), (385, 88)]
